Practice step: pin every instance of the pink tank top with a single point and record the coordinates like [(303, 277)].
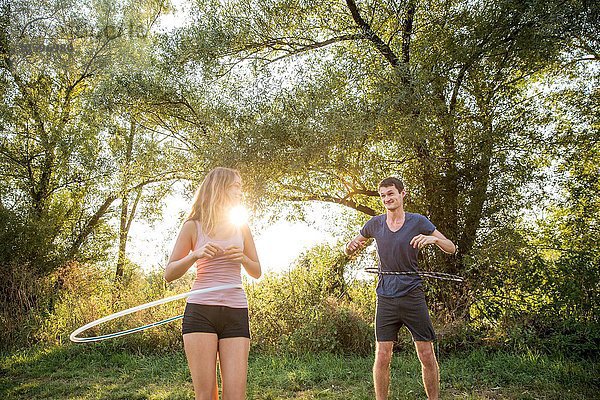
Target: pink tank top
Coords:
[(218, 271)]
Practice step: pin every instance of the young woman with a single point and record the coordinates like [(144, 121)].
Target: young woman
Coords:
[(215, 324)]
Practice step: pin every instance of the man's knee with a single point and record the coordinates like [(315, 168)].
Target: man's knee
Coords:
[(427, 356), (383, 357)]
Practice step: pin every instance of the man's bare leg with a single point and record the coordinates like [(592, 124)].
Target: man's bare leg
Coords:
[(429, 369), (381, 369)]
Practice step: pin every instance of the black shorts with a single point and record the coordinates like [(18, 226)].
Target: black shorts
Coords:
[(225, 322), (411, 310)]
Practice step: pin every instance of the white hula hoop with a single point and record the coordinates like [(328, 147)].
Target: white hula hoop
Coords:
[(73, 337)]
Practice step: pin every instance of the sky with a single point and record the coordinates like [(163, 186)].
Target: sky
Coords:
[(278, 243), (175, 19)]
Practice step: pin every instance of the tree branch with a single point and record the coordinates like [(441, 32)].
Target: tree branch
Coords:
[(293, 48), (347, 203), (90, 225), (368, 33), (407, 33)]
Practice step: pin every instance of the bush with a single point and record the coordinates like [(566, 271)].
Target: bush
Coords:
[(90, 293), (569, 338), (24, 292), (306, 310), (24, 299), (315, 307)]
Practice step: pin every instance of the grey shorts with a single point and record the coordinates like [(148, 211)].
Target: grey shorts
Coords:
[(225, 322), (411, 311)]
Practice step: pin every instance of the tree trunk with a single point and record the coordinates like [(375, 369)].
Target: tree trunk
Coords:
[(125, 190)]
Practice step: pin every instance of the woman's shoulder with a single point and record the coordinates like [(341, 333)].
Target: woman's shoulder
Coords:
[(190, 228), (245, 231), (189, 224)]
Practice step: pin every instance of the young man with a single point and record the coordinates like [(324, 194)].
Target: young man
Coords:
[(400, 300)]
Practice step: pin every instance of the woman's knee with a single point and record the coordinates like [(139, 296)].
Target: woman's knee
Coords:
[(203, 395)]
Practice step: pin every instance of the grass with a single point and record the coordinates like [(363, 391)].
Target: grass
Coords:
[(99, 372)]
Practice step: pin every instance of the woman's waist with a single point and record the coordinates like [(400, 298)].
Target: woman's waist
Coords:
[(230, 294), (205, 282)]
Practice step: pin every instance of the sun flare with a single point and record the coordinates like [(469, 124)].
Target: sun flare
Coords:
[(238, 215)]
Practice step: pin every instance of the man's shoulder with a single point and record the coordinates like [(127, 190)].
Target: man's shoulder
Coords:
[(374, 222), (378, 218), (420, 221), (415, 216)]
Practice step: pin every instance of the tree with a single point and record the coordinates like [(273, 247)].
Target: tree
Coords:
[(438, 92), (567, 238), (49, 143), (57, 168)]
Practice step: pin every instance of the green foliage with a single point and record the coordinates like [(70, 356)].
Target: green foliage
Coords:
[(25, 293), (295, 312), (83, 133), (475, 104), (305, 310), (525, 301), (338, 95), (77, 294), (540, 333), (24, 297)]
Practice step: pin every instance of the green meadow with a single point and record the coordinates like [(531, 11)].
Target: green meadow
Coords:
[(100, 372)]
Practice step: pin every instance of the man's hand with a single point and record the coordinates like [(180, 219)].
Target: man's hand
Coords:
[(421, 241), (436, 238), (354, 245)]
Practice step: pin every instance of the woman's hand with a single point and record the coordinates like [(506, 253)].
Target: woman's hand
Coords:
[(208, 251), (233, 253)]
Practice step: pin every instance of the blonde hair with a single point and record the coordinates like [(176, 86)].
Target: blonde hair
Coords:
[(211, 201)]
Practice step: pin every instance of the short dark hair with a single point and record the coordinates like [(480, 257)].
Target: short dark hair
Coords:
[(392, 181)]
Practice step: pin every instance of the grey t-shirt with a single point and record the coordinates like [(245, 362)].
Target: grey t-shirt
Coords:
[(396, 253)]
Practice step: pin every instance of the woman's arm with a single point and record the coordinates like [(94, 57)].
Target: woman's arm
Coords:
[(250, 259)]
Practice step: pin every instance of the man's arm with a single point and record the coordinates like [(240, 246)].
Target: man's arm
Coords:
[(436, 238), (355, 244)]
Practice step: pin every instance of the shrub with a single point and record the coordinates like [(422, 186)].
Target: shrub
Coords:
[(90, 293), (308, 310)]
